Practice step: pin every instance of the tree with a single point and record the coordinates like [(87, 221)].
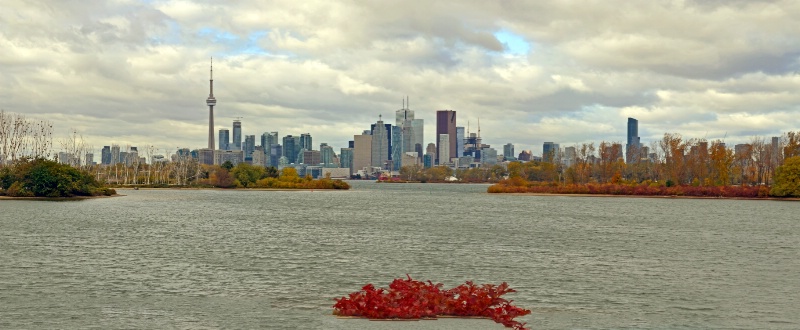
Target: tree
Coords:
[(787, 178), (227, 165), (247, 174)]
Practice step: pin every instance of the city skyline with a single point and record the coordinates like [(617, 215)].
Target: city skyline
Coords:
[(131, 73)]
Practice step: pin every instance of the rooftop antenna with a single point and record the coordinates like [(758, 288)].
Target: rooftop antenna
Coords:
[(479, 126)]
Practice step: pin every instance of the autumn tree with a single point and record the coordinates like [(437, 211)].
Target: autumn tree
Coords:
[(787, 178)]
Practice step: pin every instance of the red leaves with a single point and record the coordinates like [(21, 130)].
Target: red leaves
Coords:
[(410, 299)]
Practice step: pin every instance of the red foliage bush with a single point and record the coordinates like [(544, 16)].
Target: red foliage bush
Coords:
[(632, 190), (410, 299)]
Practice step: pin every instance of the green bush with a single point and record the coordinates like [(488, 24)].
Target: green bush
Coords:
[(45, 178)]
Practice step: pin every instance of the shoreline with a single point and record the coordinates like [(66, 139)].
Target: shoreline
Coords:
[(229, 189), (57, 199), (651, 196)]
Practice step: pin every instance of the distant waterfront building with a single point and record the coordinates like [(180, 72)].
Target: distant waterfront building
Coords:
[(115, 154), (105, 155), (89, 160), (445, 125), (275, 154), (327, 155), (570, 156), (268, 140), (346, 159), (305, 142), (205, 156), (550, 152), (525, 156), (233, 156), (459, 142), (444, 149), (289, 148), (381, 139), (258, 157), (237, 135), (311, 157), (427, 160), (508, 151), (397, 148), (224, 139), (633, 146), (489, 156), (249, 147), (362, 152)]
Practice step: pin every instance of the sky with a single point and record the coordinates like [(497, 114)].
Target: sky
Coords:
[(135, 72)]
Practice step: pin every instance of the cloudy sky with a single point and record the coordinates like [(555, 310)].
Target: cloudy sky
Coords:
[(136, 71)]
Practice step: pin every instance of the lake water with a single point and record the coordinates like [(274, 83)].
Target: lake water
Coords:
[(206, 259)]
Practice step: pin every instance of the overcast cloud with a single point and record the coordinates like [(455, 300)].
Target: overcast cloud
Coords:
[(136, 71)]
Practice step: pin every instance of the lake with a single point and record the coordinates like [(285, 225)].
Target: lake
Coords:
[(207, 259)]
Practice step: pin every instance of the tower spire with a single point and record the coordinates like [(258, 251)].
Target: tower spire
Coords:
[(211, 102)]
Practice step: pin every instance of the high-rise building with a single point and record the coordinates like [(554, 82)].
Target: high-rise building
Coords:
[(249, 147), (267, 140), (89, 160), (275, 154), (289, 150), (211, 102), (237, 135), (105, 155), (115, 154), (444, 149), (381, 143), (310, 157), (362, 152), (459, 141), (224, 139), (445, 124), (508, 151), (489, 156), (305, 142), (346, 159), (397, 148), (570, 156), (550, 152), (633, 146), (327, 155)]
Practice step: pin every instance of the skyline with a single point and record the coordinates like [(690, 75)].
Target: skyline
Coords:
[(132, 72)]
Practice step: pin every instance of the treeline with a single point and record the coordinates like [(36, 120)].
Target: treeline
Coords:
[(675, 167), (440, 174), (244, 175), (46, 178)]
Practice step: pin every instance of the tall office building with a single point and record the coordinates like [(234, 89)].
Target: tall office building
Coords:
[(115, 154), (381, 140), (459, 141), (444, 149), (346, 159), (633, 146), (289, 148), (275, 154), (305, 142), (211, 102), (508, 151), (105, 155), (327, 155), (445, 124), (237, 135), (267, 140), (224, 139), (362, 152), (550, 152), (249, 147)]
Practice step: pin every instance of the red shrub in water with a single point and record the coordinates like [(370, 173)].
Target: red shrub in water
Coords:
[(410, 299)]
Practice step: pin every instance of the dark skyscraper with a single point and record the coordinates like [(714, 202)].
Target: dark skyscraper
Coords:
[(446, 124), (237, 135), (224, 139), (633, 145), (289, 148)]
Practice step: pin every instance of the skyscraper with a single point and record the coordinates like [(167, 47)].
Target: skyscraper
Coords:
[(289, 148), (237, 135), (551, 152), (444, 149), (346, 159), (381, 139), (305, 142), (446, 124), (211, 102), (459, 141), (224, 139), (105, 155), (362, 152), (508, 151), (633, 145), (249, 147)]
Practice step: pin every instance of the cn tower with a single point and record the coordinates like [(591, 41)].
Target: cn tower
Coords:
[(211, 102)]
